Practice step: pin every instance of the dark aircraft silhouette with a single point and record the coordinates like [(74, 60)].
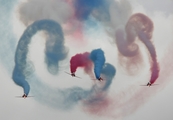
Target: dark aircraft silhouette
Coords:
[(100, 79), (149, 84), (24, 96), (73, 75)]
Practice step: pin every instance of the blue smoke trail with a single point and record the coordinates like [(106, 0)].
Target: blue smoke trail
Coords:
[(97, 56), (66, 99), (109, 71), (83, 8), (63, 99), (8, 39), (54, 51)]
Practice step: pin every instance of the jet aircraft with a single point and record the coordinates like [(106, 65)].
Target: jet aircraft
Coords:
[(73, 75)]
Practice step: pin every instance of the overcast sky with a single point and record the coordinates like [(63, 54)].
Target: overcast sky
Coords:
[(125, 100)]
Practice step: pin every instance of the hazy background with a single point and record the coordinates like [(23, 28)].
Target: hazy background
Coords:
[(128, 100)]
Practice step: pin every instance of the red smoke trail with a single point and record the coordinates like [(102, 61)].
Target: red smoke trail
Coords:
[(129, 100), (132, 98), (81, 60), (138, 25), (144, 29)]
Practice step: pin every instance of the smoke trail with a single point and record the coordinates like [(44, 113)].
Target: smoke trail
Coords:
[(125, 47), (144, 28), (97, 56), (154, 64), (55, 50), (138, 25), (81, 60), (126, 103)]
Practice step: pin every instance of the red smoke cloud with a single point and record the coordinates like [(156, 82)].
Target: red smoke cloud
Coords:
[(81, 60)]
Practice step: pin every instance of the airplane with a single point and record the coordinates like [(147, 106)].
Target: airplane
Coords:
[(100, 79), (73, 75), (149, 84), (24, 96)]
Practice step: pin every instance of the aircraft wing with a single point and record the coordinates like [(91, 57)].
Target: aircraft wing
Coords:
[(73, 76), (23, 97), (150, 85), (97, 79), (67, 73)]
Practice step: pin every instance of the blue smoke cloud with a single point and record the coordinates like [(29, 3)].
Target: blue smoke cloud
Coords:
[(83, 9), (98, 58), (55, 50)]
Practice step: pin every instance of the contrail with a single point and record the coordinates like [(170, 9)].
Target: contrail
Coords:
[(55, 50)]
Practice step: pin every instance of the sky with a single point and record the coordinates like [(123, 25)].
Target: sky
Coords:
[(128, 43)]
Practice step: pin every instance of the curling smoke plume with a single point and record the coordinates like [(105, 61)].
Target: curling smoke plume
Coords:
[(81, 60), (55, 50), (98, 58), (138, 25)]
